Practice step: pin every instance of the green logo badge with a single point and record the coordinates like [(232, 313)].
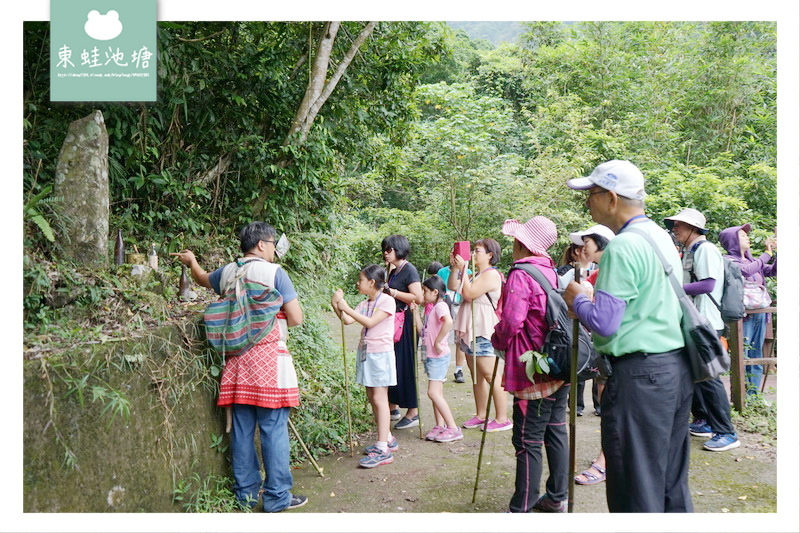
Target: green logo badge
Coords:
[(103, 50)]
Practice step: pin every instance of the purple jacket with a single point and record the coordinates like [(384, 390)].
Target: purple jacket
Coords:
[(522, 326), (752, 269)]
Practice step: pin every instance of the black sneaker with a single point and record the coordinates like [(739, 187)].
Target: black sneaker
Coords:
[(297, 501), (459, 375)]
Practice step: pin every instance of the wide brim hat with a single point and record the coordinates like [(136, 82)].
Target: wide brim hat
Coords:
[(604, 231), (622, 177), (690, 216), (537, 235)]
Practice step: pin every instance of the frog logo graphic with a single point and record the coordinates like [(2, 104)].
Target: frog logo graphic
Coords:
[(103, 27)]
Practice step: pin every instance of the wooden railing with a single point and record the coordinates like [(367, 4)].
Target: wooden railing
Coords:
[(738, 361)]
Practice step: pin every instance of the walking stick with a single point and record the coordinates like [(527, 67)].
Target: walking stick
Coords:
[(305, 448), (347, 394), (485, 423), (573, 400), (416, 378), (474, 341)]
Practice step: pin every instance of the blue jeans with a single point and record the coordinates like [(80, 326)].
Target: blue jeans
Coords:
[(754, 327), (274, 436)]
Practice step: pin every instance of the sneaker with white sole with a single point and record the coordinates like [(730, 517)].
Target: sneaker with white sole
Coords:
[(373, 448), (394, 414), (473, 422), (459, 376), (432, 434), (722, 442), (449, 435), (495, 426), (376, 459), (700, 428), (406, 423)]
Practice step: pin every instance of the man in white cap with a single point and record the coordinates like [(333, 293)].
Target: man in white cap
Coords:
[(635, 320), (540, 402), (703, 277)]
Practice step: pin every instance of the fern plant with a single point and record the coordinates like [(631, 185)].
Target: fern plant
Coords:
[(33, 212)]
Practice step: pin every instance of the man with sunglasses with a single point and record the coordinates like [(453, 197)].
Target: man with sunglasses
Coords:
[(635, 320)]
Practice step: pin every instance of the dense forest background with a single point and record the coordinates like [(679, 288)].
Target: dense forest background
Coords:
[(389, 127), (428, 132)]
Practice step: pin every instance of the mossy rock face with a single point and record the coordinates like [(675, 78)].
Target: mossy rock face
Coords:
[(121, 464)]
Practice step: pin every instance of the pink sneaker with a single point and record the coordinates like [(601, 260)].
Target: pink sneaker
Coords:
[(494, 425), (449, 435), (473, 422), (432, 434)]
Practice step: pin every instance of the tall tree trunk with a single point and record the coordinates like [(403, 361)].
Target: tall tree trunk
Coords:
[(318, 90)]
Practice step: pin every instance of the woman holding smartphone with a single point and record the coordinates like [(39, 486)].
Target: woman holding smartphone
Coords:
[(481, 293)]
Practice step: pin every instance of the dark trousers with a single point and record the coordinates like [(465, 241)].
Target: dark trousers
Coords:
[(538, 422), (645, 436), (710, 403), (595, 395)]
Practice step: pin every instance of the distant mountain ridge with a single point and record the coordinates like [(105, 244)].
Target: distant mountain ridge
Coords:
[(493, 31)]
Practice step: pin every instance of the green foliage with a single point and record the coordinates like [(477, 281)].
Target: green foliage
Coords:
[(210, 494), (758, 416)]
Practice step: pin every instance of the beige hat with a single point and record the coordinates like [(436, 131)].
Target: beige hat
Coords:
[(690, 216)]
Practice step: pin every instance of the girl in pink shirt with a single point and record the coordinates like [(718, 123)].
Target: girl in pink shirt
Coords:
[(375, 362), (437, 324)]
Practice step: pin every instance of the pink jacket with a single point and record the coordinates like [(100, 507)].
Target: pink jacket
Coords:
[(522, 326)]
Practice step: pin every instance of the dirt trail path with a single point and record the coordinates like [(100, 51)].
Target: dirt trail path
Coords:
[(428, 477)]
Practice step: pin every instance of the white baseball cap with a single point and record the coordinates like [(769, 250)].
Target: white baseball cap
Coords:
[(604, 231), (616, 175)]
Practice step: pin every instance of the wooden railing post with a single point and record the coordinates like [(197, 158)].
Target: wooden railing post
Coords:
[(736, 346)]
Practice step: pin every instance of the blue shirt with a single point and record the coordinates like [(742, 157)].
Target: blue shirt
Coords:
[(282, 283)]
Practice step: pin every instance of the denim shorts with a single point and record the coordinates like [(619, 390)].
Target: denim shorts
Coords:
[(375, 369), (436, 367), (483, 347)]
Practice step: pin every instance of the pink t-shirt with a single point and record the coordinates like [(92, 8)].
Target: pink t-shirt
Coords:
[(380, 337), (433, 325)]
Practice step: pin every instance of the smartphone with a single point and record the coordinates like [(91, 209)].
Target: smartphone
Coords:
[(461, 248)]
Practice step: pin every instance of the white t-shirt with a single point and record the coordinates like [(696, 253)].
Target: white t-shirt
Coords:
[(380, 337), (706, 261)]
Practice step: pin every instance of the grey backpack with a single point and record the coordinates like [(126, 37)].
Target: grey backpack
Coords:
[(731, 308)]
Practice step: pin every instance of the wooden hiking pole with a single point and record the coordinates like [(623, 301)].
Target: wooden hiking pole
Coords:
[(416, 376), (347, 394), (573, 399), (474, 341), (485, 423), (305, 448)]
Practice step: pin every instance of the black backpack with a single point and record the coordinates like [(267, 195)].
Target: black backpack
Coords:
[(558, 340), (732, 306)]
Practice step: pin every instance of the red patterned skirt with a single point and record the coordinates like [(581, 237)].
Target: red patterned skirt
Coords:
[(263, 376)]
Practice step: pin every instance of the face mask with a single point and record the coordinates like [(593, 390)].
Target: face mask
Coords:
[(282, 246)]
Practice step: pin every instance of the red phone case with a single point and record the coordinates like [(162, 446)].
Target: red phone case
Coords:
[(462, 248)]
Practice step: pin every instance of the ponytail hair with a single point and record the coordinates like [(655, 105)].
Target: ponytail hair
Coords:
[(435, 283), (375, 273)]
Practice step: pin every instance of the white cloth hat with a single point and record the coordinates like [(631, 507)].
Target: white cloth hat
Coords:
[(690, 216), (616, 175), (604, 231), (537, 235)]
